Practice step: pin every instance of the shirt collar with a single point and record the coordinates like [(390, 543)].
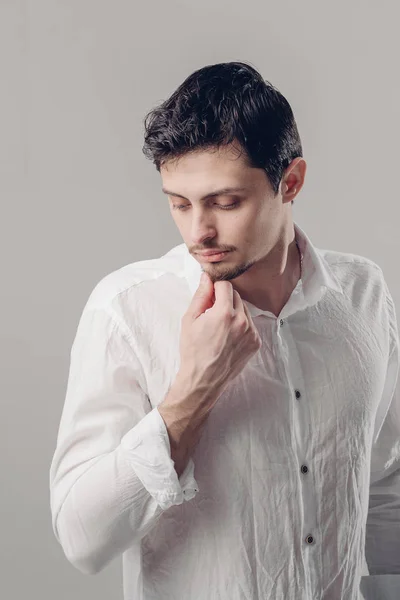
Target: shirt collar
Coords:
[(317, 277)]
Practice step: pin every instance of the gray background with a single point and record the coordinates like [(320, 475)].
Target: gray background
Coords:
[(79, 199)]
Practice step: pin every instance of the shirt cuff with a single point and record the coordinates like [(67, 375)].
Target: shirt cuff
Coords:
[(149, 451)]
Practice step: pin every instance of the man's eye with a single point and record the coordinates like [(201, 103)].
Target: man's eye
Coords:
[(222, 206)]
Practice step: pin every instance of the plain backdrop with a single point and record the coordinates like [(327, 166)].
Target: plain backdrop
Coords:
[(79, 199)]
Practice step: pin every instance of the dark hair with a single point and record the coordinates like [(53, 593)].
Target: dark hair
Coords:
[(221, 103)]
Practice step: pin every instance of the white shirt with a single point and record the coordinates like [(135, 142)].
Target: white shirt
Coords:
[(244, 521)]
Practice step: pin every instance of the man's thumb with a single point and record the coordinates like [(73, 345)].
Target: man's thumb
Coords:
[(204, 278), (202, 299)]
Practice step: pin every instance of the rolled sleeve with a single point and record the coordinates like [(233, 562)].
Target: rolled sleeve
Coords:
[(148, 448), (99, 505)]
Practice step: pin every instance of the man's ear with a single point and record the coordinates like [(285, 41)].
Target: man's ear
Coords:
[(293, 178)]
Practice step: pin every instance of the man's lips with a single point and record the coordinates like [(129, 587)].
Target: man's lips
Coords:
[(211, 252), (214, 256)]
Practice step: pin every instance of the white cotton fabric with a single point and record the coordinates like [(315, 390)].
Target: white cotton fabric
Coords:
[(321, 392)]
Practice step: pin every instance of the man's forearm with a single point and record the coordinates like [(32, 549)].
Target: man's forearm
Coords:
[(185, 410)]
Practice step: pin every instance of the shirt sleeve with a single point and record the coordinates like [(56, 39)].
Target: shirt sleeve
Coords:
[(382, 549), (111, 476)]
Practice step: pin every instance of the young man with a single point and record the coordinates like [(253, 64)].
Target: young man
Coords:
[(229, 437)]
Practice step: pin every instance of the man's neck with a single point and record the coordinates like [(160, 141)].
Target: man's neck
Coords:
[(276, 290)]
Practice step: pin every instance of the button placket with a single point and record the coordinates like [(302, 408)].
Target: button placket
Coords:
[(301, 432)]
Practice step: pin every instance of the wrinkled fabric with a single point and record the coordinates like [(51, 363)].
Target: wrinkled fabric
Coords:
[(292, 492)]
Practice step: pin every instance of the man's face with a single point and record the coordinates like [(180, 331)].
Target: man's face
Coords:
[(249, 230)]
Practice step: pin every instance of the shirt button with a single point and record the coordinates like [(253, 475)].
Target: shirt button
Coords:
[(298, 395), (309, 539), (304, 469), (282, 322)]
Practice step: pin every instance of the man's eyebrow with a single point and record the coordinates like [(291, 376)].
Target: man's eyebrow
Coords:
[(223, 191)]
